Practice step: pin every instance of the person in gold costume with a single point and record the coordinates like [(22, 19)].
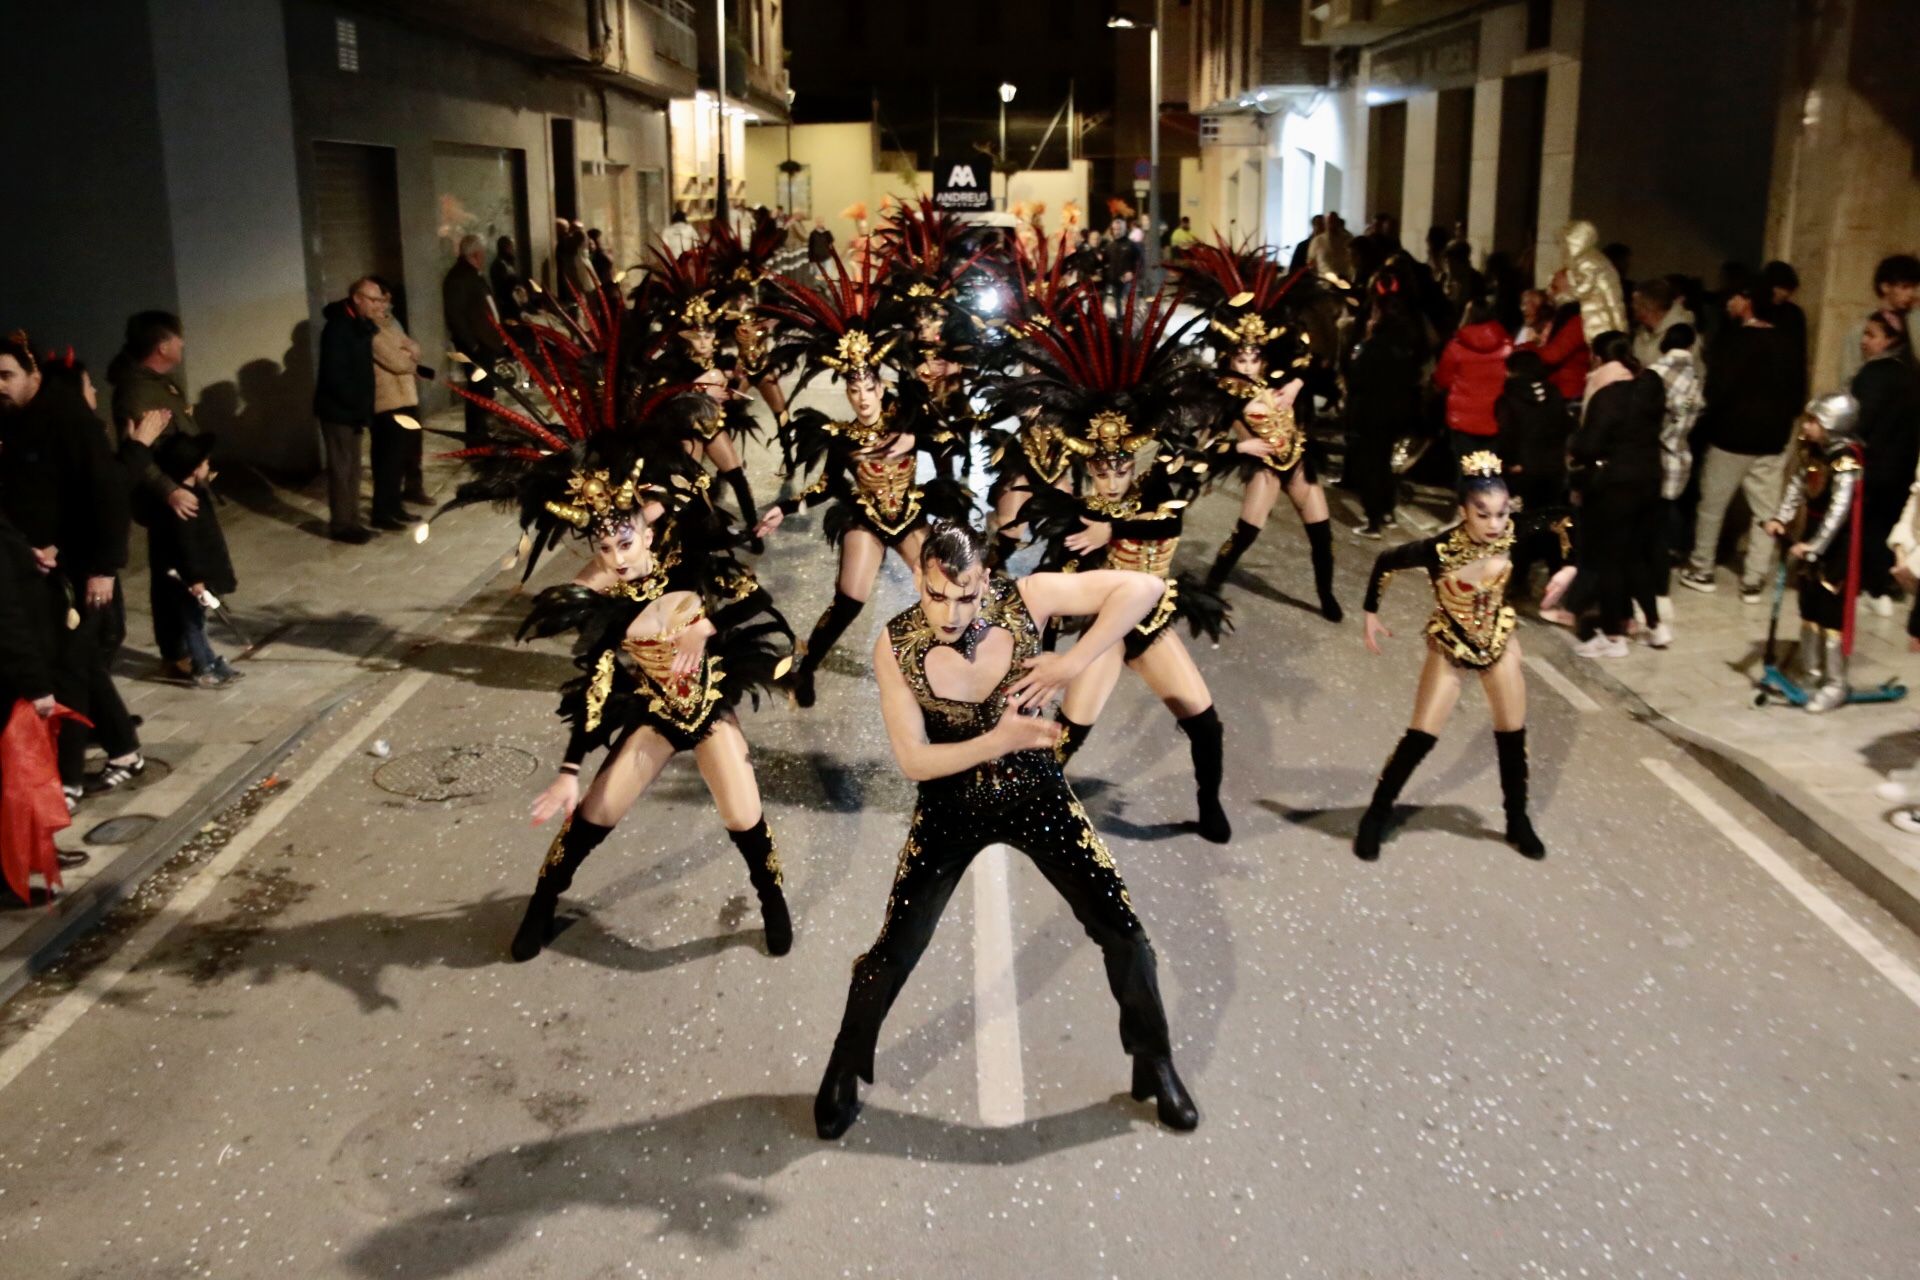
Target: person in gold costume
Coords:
[(1470, 630), (867, 463), (1245, 294)]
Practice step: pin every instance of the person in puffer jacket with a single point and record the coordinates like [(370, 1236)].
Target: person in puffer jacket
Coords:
[(1473, 372)]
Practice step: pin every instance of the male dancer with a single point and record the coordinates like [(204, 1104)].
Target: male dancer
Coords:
[(962, 680)]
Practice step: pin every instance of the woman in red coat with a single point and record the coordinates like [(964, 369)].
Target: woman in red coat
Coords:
[(1473, 372), (1563, 347)]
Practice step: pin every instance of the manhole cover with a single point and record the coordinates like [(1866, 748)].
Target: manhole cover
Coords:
[(124, 829), (445, 773)]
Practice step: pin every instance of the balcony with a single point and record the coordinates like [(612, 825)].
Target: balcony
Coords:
[(675, 38), (1355, 22)]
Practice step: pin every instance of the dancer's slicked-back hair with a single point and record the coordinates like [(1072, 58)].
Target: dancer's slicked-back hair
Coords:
[(955, 547)]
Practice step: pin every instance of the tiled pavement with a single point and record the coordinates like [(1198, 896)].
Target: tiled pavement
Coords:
[(324, 618)]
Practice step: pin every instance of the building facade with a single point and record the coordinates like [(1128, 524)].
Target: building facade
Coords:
[(242, 161)]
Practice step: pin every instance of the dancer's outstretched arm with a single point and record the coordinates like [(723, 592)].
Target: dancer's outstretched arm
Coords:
[(1116, 599)]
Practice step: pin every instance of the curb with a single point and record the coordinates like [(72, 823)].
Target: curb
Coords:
[(1814, 824), (71, 916)]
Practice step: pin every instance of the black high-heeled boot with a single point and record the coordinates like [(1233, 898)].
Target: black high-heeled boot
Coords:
[(1155, 1078), (575, 839), (1230, 552), (837, 1104), (743, 497), (1320, 551), (1407, 755), (763, 870), (1206, 743), (1512, 746), (826, 633), (1073, 736)]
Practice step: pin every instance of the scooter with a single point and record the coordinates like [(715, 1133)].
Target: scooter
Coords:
[(1776, 688)]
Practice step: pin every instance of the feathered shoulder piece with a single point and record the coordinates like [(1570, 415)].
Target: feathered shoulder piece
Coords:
[(851, 324), (1111, 386)]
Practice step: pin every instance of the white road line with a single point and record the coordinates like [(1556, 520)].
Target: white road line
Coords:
[(74, 1005), (1829, 912), (996, 999), (1558, 683)]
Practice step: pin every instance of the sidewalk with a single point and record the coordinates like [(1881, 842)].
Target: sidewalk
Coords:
[(323, 616), (1815, 775)]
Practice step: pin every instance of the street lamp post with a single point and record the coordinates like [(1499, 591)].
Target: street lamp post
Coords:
[(721, 214), (1006, 176), (1151, 249)]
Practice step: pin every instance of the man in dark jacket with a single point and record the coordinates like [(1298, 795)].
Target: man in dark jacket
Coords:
[(1383, 404), (1753, 387), (343, 401), (63, 489), (466, 303), (509, 293), (26, 641), (1888, 391)]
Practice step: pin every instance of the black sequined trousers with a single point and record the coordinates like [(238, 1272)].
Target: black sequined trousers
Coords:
[(1022, 801)]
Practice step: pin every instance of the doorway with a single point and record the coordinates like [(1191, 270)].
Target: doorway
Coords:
[(1387, 161), (1523, 130), (356, 206)]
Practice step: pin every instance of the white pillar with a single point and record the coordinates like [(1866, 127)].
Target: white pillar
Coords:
[(1416, 192), (1483, 181), (1556, 166)]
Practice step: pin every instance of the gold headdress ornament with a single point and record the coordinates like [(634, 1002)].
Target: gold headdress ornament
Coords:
[(921, 289), (1250, 330), (594, 499), (1108, 432), (856, 352), (1481, 464), (697, 313)]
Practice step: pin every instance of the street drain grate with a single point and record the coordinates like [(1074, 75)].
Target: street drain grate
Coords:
[(125, 829), (448, 773)]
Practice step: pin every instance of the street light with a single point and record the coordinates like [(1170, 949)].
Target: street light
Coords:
[(1118, 22), (1006, 178)]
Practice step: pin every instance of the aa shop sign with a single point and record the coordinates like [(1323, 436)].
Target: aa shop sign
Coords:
[(963, 186)]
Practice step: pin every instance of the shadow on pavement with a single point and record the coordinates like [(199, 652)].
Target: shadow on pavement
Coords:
[(1454, 819), (703, 1173)]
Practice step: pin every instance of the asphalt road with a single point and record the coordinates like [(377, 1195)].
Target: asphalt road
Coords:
[(1644, 1056)]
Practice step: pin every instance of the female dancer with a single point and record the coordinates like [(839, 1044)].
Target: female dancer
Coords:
[(671, 636), (867, 463), (1247, 329), (1118, 387), (962, 679), (1471, 630), (686, 302), (673, 631)]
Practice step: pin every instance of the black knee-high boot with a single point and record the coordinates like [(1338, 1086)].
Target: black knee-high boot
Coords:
[(1073, 736), (826, 633), (1230, 552), (1406, 757), (1320, 547), (1512, 746), (743, 497), (763, 869), (571, 844), (1004, 545), (1205, 740)]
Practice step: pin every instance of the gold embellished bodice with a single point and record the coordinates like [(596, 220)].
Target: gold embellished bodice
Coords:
[(1267, 419), (681, 699), (1471, 620), (885, 488), (999, 782), (952, 719), (1145, 555)]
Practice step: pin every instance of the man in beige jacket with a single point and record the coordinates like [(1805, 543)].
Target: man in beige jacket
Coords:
[(396, 449)]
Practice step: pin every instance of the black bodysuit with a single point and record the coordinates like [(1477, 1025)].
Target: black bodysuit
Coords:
[(1021, 800)]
